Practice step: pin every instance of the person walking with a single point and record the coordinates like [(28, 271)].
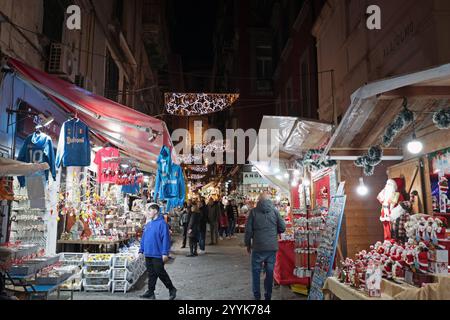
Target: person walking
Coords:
[(184, 221), (213, 219), (155, 246), (223, 222), (233, 214), (263, 226), (202, 226), (194, 230)]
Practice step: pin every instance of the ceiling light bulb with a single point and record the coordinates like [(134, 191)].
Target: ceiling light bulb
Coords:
[(286, 175), (362, 190), (296, 172), (415, 146)]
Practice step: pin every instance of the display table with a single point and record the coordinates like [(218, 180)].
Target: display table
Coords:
[(285, 264), (98, 243), (27, 288), (389, 289), (333, 287)]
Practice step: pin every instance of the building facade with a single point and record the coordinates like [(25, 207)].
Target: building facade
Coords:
[(113, 54), (413, 37)]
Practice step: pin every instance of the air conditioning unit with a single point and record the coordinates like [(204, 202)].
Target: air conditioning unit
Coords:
[(62, 62)]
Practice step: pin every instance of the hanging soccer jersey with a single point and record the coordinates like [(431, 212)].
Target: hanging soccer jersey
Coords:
[(38, 148), (106, 171), (74, 149)]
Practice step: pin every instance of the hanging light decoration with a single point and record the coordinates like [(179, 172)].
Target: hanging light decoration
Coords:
[(196, 176), (362, 190), (189, 104), (214, 146), (188, 158), (199, 168)]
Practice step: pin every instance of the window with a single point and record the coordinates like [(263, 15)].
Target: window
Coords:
[(263, 68), (289, 100), (118, 11), (111, 78), (305, 76)]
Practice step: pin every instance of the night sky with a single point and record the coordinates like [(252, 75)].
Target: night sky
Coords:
[(194, 22)]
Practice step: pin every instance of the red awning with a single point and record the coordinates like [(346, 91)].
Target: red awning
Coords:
[(124, 127)]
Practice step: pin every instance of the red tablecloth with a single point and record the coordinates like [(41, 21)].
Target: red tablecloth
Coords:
[(285, 265)]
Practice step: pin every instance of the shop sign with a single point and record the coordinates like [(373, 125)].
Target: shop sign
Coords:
[(253, 178)]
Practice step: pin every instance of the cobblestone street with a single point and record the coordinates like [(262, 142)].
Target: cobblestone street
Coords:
[(222, 274)]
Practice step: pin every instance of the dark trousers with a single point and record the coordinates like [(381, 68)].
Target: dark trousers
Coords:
[(193, 245), (202, 239), (185, 229), (155, 270)]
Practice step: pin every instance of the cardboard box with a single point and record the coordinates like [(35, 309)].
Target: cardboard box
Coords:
[(438, 255), (438, 267)]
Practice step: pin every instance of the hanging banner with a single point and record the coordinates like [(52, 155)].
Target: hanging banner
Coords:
[(327, 249)]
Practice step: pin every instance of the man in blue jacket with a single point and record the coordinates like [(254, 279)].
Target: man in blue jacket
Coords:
[(155, 245)]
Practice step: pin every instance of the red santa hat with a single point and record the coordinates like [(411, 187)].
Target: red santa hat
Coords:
[(400, 182)]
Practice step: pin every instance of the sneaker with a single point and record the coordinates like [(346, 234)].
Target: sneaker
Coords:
[(148, 295), (201, 252), (220, 238), (172, 294)]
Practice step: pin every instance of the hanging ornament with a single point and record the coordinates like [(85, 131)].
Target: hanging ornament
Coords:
[(442, 119), (403, 119), (189, 104), (370, 160)]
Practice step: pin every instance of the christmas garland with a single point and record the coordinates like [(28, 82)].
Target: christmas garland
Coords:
[(442, 119), (312, 161), (369, 161), (403, 119)]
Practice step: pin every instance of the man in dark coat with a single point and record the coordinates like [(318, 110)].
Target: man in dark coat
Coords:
[(263, 226), (202, 227), (213, 219)]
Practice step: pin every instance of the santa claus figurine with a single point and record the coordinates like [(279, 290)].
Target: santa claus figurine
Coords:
[(389, 198)]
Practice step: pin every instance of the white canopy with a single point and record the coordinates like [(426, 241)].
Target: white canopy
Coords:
[(11, 168), (292, 136), (374, 105), (296, 134)]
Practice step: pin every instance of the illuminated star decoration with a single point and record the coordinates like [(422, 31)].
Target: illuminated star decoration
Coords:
[(189, 104), (199, 168), (188, 158), (197, 176), (213, 146)]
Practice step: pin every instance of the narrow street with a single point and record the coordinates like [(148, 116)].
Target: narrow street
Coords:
[(222, 274)]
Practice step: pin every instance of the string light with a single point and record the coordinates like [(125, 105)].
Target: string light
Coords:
[(189, 104), (188, 158), (199, 168), (196, 176)]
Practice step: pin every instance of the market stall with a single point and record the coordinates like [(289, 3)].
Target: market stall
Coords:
[(392, 147), (99, 164), (293, 139)]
